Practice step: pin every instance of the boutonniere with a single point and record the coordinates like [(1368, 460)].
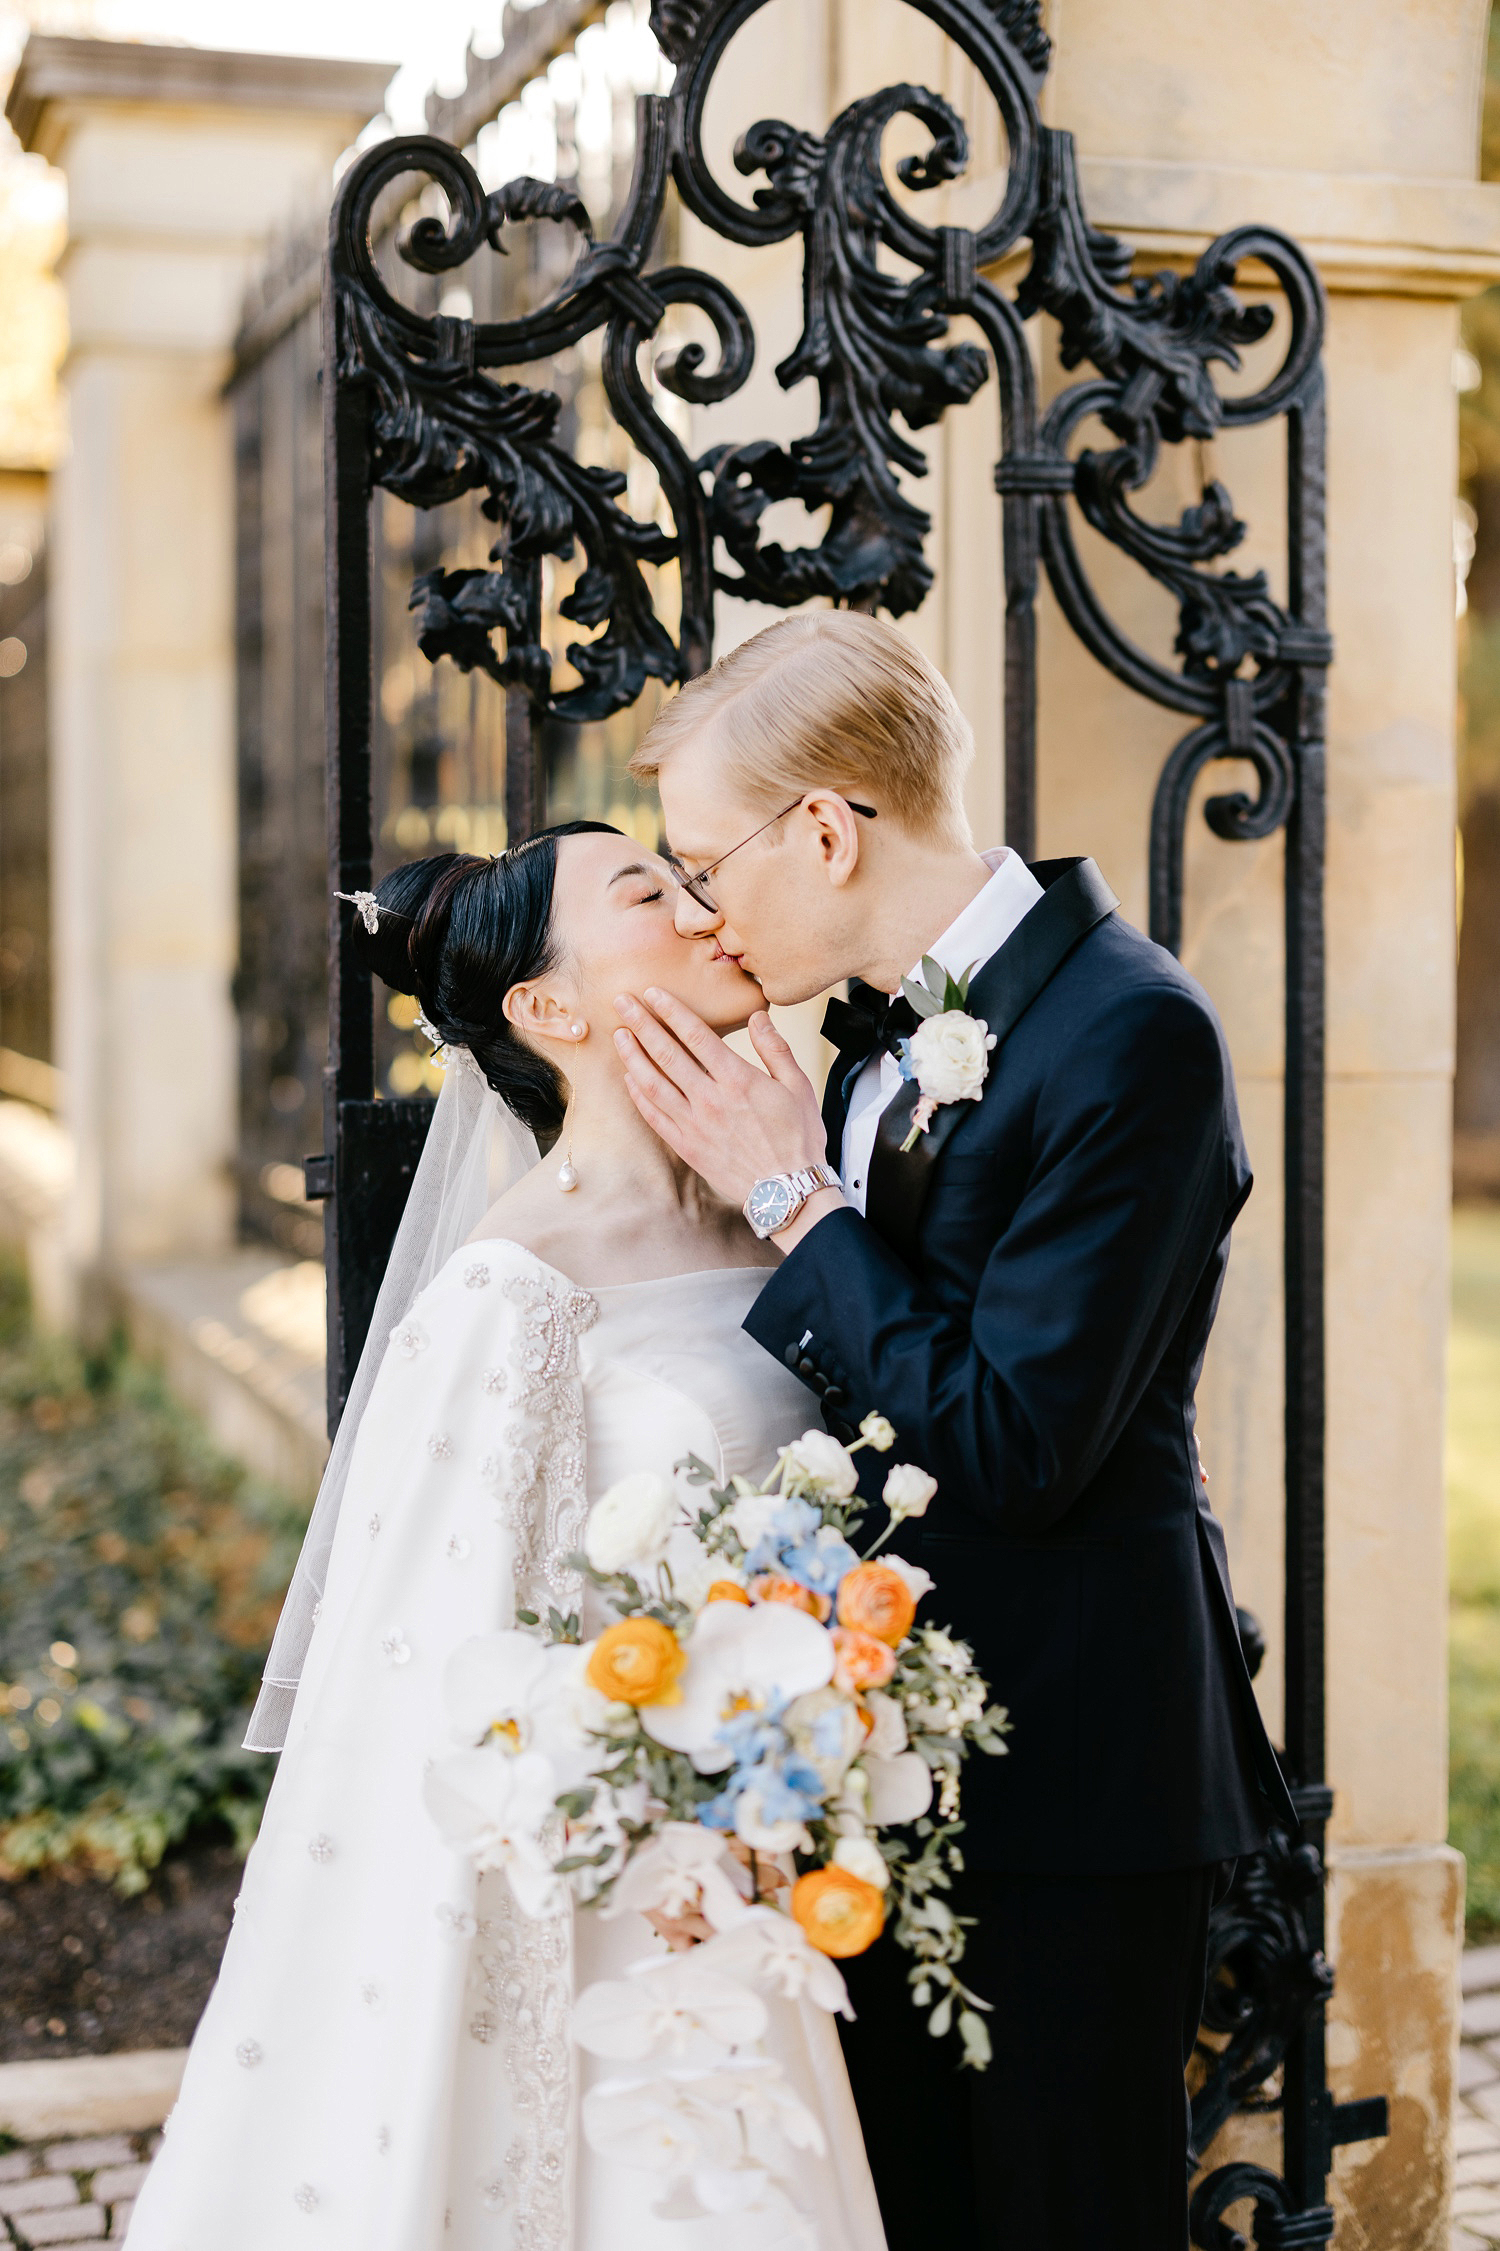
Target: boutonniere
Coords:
[(949, 1052)]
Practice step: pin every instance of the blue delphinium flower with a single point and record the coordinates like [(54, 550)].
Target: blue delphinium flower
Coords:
[(821, 1562), (795, 1521)]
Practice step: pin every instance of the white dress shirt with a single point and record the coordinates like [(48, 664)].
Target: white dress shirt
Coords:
[(980, 931)]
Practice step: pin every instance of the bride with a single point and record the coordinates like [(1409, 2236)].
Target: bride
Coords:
[(384, 2063)]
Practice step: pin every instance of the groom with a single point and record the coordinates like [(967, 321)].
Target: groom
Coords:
[(1025, 1289)]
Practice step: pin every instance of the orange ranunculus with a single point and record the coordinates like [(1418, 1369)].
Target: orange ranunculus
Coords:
[(772, 1586), (874, 1599), (862, 1662), (637, 1662), (726, 1590), (840, 1913)]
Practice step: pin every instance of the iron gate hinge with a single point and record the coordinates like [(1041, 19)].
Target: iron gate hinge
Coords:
[(317, 1178), (1368, 2120)]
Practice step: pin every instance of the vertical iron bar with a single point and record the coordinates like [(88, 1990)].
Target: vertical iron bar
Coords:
[(1019, 537), (525, 774), (522, 817), (350, 1074), (1306, 2113)]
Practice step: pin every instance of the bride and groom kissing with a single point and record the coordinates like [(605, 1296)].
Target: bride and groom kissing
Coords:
[(1009, 1238)]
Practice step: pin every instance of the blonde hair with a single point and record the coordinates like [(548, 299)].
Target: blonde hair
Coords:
[(831, 697)]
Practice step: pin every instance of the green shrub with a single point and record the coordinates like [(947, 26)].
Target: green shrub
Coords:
[(140, 1576)]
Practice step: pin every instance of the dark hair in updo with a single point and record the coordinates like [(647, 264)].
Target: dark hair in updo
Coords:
[(457, 932)]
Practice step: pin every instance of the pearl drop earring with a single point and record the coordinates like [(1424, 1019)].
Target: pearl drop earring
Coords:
[(567, 1171)]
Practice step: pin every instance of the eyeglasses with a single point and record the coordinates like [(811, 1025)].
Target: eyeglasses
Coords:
[(693, 885)]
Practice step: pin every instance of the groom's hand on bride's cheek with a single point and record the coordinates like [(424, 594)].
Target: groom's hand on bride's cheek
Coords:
[(733, 1124)]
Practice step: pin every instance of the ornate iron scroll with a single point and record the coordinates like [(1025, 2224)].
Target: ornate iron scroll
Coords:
[(416, 405)]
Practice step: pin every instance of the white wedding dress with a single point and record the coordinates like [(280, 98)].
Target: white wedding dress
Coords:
[(384, 2063)]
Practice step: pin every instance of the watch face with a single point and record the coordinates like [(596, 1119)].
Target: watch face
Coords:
[(769, 1204)]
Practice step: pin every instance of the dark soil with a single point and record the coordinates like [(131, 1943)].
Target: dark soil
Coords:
[(84, 1972)]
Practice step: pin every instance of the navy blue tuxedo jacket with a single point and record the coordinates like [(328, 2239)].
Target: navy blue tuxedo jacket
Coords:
[(1028, 1299)]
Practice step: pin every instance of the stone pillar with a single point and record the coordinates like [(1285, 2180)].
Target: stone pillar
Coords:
[(1353, 126), (179, 163)]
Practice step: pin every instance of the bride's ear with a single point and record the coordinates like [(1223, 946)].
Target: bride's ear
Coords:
[(539, 1015)]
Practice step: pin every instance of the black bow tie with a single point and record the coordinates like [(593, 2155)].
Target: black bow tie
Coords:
[(868, 1020)]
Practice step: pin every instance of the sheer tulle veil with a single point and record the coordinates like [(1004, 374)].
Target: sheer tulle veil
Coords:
[(475, 1149)]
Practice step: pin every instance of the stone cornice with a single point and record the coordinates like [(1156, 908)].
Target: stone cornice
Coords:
[(1365, 231), (54, 72)]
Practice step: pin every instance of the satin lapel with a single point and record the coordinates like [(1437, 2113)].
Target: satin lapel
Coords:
[(1075, 898), (841, 1075)]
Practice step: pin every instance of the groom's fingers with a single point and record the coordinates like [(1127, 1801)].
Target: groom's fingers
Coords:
[(666, 1051), (775, 1053), (705, 1047)]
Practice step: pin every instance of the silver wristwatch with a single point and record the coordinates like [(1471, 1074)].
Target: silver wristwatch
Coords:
[(773, 1203)]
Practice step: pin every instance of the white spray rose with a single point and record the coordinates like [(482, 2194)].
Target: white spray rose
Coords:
[(819, 1460), (877, 1432), (631, 1523), (862, 1858), (950, 1055), (908, 1490)]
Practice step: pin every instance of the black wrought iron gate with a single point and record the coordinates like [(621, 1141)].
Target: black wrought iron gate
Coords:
[(409, 405)]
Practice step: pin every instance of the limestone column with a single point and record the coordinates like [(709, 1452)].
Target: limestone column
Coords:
[(179, 164)]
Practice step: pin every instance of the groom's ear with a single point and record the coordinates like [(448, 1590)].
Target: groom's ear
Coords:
[(834, 833)]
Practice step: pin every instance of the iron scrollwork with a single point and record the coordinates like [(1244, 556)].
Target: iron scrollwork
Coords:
[(431, 408)]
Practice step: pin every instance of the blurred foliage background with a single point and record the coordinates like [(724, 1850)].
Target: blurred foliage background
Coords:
[(140, 1577)]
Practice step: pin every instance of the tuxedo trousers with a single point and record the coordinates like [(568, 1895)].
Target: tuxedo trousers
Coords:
[(1077, 2134)]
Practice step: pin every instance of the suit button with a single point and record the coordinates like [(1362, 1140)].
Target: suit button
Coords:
[(806, 1369), (833, 1396), (790, 1356)]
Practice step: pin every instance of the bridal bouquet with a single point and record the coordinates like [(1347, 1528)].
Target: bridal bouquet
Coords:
[(764, 1748)]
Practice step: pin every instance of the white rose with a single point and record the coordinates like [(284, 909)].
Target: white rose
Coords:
[(863, 1859), (750, 1517), (908, 1490), (631, 1523), (887, 1738), (950, 1055), (816, 1459), (900, 1789), (877, 1432)]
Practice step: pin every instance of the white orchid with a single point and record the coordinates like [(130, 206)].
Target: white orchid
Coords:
[(514, 1693), (741, 1657), (661, 2124), (900, 1789), (752, 2189), (630, 1524), (495, 1809), (682, 1868), (689, 2116), (818, 1460), (669, 2007), (768, 1947)]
